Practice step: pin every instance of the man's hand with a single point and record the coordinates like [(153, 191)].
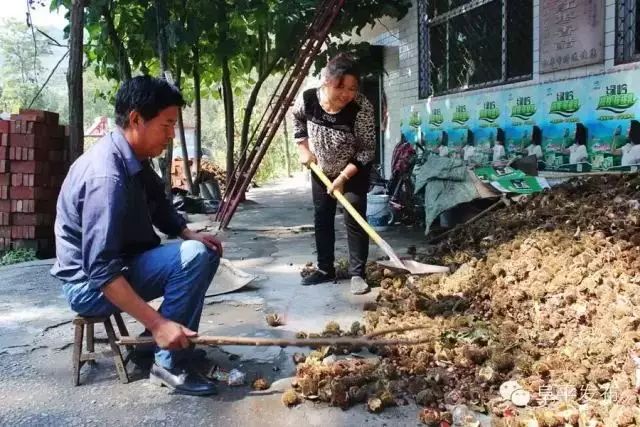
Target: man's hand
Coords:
[(337, 185), (171, 335), (209, 240)]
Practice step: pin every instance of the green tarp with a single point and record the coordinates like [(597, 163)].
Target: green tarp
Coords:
[(449, 182), (446, 183)]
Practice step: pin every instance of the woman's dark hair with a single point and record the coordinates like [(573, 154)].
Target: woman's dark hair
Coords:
[(470, 137), (445, 138), (581, 134), (634, 132), (146, 95), (536, 135), (341, 65), (500, 135)]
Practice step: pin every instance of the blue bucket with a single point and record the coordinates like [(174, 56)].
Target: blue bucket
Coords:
[(378, 211)]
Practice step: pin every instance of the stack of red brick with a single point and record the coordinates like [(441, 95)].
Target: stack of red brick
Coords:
[(33, 164)]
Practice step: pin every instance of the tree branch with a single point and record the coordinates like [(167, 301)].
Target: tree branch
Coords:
[(55, 42), (248, 111), (48, 78), (35, 44)]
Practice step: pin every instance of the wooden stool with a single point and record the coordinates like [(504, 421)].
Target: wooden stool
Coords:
[(79, 358)]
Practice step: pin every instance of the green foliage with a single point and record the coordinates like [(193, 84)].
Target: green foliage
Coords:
[(15, 256), (21, 72), (257, 38)]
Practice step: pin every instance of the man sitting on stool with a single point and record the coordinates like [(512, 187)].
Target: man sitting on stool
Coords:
[(108, 254)]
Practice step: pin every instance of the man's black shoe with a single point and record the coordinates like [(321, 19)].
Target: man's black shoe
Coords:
[(147, 352), (318, 277), (181, 381)]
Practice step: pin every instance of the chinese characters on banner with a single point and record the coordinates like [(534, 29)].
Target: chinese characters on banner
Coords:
[(571, 34)]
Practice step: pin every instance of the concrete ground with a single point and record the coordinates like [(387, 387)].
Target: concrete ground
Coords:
[(270, 236)]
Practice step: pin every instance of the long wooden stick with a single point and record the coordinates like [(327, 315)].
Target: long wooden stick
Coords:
[(394, 331), (356, 215), (281, 342)]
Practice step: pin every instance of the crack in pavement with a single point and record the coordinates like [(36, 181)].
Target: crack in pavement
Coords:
[(57, 325)]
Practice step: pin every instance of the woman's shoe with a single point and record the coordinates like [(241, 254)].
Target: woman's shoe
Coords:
[(318, 277), (359, 286)]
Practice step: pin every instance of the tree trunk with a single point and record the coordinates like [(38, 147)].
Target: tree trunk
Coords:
[(185, 153), (183, 141), (74, 80), (198, 111), (248, 111), (163, 55), (287, 154), (227, 94)]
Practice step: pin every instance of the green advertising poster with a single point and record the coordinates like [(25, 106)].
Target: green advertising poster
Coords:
[(489, 120), (461, 125), (494, 173), (597, 108), (508, 180), (521, 108), (612, 103), (524, 185), (433, 128), (564, 104), (410, 124)]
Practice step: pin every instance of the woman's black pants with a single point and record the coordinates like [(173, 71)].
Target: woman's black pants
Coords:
[(355, 192)]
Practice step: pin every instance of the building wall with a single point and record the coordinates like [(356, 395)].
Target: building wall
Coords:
[(401, 65)]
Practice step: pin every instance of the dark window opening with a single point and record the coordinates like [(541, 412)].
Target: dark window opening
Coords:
[(519, 38), (627, 31), (470, 44)]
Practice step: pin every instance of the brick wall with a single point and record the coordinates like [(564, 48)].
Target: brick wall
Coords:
[(401, 64), (33, 164)]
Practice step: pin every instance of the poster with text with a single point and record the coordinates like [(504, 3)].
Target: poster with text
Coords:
[(522, 111), (433, 128), (488, 120), (611, 104), (564, 105), (462, 122)]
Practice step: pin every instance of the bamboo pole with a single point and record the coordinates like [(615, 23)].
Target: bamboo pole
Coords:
[(365, 341), (280, 342)]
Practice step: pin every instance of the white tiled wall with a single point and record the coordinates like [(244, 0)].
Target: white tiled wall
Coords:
[(401, 65)]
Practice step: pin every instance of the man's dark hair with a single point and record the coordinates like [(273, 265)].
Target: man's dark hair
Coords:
[(500, 135), (146, 95)]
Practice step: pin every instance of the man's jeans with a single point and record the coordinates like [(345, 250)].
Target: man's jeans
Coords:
[(180, 271)]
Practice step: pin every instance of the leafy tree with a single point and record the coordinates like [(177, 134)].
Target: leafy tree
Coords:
[(223, 50), (21, 65)]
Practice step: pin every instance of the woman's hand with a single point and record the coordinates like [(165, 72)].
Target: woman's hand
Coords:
[(306, 156), (337, 185)]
